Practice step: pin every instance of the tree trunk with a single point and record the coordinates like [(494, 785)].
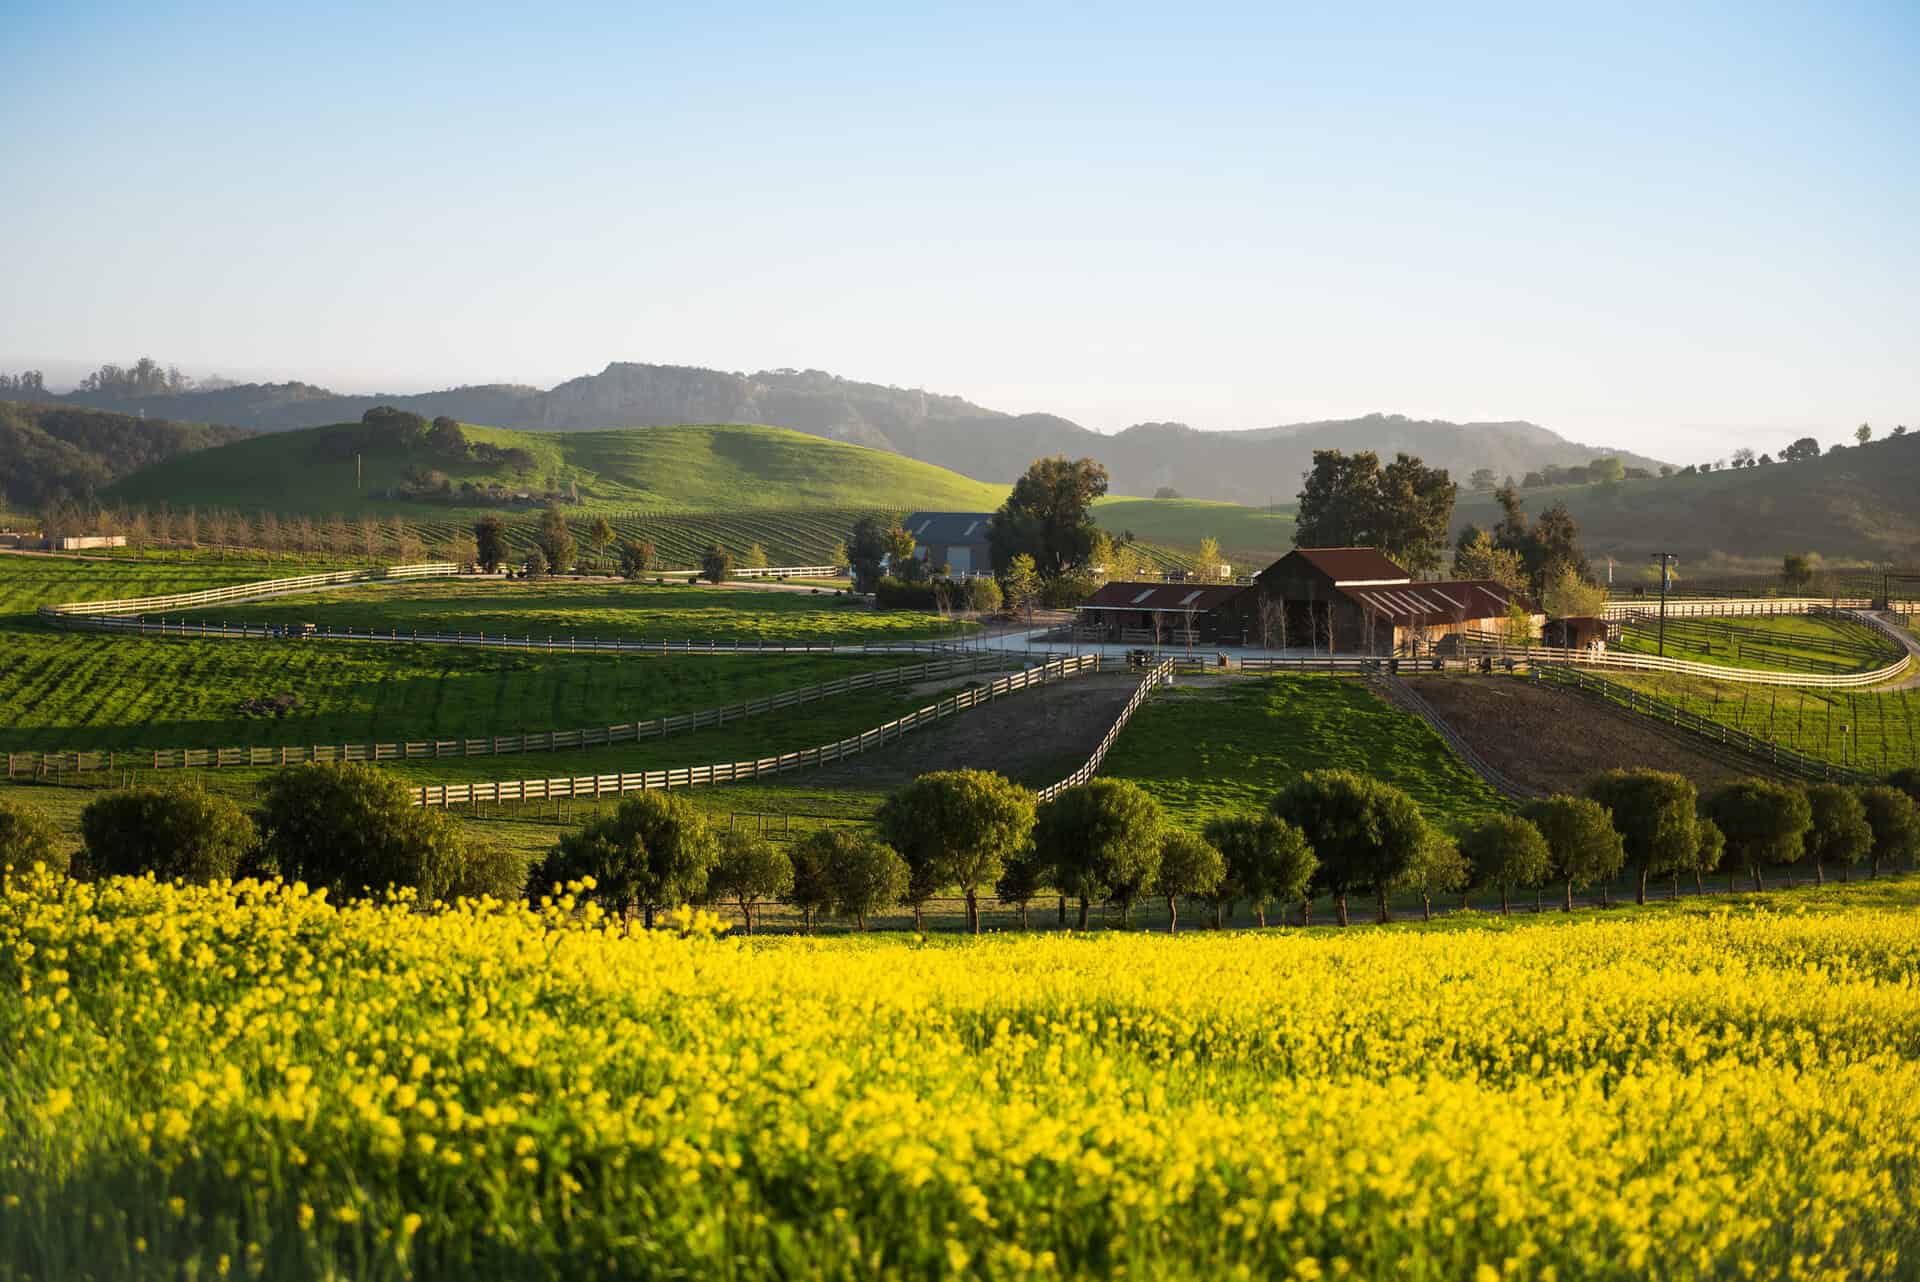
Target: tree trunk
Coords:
[(746, 911), (1569, 907), (862, 919), (1640, 896), (1846, 873), (1173, 916), (1673, 889), (1537, 907), (1791, 879), (1219, 915), (1463, 900), (1306, 912), (919, 924), (1023, 915), (1699, 887), (1385, 915), (1083, 912), (1757, 883), (1606, 894), (1731, 874), (973, 910), (1426, 908), (1340, 907), (806, 918), (1063, 910), (649, 916), (1819, 874), (1504, 910), (1260, 911)]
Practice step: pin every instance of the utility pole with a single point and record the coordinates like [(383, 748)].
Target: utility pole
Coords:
[(1664, 558), (356, 471)]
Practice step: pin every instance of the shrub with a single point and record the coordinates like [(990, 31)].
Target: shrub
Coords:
[(812, 891), (1068, 590), (1020, 881), (1438, 869), (1264, 861), (353, 829), (555, 541), (1101, 839), (846, 871), (175, 832), (654, 851), (716, 565), (983, 596), (896, 594), (487, 871), (636, 558), (958, 828), (1508, 853), (1895, 820), (490, 542), (749, 869), (27, 838)]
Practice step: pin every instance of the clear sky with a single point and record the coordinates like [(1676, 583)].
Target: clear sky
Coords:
[(1672, 227)]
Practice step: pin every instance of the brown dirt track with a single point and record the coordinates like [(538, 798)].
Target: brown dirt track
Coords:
[(1555, 740), (1033, 737)]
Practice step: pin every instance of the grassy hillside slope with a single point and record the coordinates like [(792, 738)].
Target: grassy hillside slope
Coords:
[(1252, 538), (54, 452), (685, 468), (1861, 503)]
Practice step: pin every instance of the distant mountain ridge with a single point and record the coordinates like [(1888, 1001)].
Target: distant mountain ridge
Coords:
[(1252, 466)]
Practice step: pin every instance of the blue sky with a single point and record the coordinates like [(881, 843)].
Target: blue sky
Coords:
[(1676, 228)]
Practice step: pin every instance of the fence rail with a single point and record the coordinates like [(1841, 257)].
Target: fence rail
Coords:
[(246, 591), (35, 764), (1157, 676), (741, 771), (1411, 700), (1646, 705)]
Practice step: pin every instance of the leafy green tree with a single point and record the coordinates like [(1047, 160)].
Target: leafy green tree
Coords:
[(1190, 868), (1439, 869), (636, 558), (1021, 881), (1840, 833), (1907, 780), (1798, 568), (1581, 840), (812, 860), (490, 542), (1365, 833), (27, 838), (749, 869), (901, 562), (1764, 822), (555, 540), (1863, 433), (1100, 840), (867, 876), (174, 832), (1565, 595), (716, 564), (983, 595), (1350, 500), (445, 437), (958, 828), (1608, 471), (1020, 585), (537, 564), (1653, 811), (1048, 516), (1707, 853), (1801, 450), (1506, 853), (867, 548), (600, 534), (1483, 480), (1475, 557), (1264, 861), (1894, 818), (654, 851)]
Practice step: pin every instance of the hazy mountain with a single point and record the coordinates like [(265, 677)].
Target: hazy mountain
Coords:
[(1247, 466)]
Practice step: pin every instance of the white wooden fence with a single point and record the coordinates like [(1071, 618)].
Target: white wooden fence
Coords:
[(1161, 674), (459, 794), (244, 591)]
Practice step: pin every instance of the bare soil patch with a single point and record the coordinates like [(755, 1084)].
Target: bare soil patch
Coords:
[(1032, 737), (1552, 739)]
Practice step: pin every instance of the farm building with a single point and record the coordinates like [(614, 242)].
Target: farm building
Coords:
[(957, 540), (1165, 614), (1357, 600), (1582, 633)]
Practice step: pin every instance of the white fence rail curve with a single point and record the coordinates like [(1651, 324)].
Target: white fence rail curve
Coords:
[(453, 794), (245, 591), (1157, 676)]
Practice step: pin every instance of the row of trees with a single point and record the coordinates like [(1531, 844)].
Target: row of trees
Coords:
[(221, 530)]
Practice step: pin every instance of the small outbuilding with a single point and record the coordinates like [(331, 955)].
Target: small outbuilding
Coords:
[(1165, 614)]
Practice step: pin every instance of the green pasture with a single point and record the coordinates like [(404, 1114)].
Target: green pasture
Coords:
[(1790, 643), (1250, 537), (1212, 749), (1876, 729), (603, 608)]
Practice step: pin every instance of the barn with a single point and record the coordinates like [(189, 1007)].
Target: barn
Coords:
[(1357, 600), (957, 540), (1165, 614)]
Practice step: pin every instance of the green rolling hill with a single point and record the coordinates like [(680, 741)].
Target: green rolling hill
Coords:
[(679, 469), (1252, 538)]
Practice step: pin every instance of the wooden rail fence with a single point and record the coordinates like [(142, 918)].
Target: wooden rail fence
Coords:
[(74, 610), (37, 764), (1157, 676), (449, 794)]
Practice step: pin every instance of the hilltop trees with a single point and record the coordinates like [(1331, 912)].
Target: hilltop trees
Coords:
[(958, 828), (1404, 508), (1048, 516), (1654, 813)]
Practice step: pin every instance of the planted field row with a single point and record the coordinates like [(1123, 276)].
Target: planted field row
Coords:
[(1873, 732)]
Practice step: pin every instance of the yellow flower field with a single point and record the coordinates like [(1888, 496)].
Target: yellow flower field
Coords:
[(206, 1082)]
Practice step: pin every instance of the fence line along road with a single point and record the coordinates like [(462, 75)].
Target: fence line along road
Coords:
[(1646, 705), (1161, 674), (245, 591), (33, 764), (448, 794), (1743, 607)]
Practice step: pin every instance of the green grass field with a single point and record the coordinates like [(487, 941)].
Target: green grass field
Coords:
[(604, 608), (29, 582), (1212, 749), (1251, 538), (1791, 643), (683, 469), (1872, 730)]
